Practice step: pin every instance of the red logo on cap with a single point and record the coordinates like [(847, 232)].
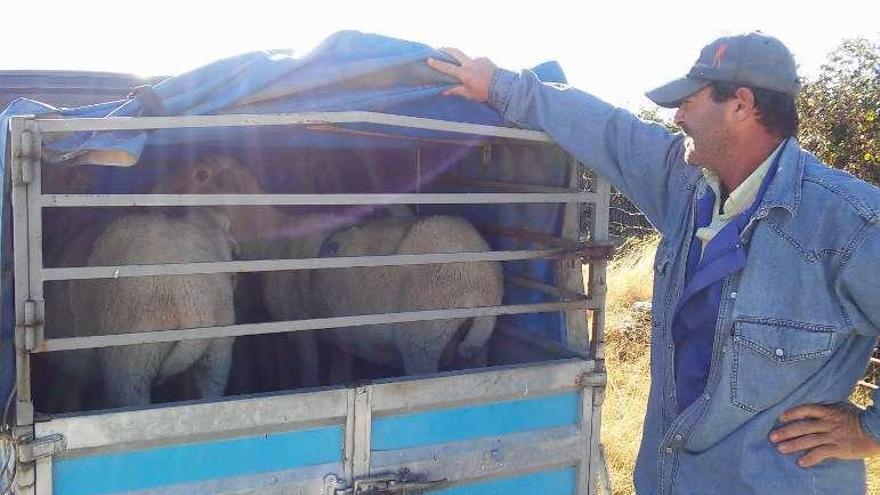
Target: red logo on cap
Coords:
[(719, 54)]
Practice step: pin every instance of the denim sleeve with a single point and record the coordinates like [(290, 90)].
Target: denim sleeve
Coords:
[(858, 290), (642, 160)]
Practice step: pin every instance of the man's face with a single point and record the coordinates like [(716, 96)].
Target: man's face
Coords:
[(704, 121)]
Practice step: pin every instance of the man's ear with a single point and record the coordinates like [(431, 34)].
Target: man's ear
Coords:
[(745, 103)]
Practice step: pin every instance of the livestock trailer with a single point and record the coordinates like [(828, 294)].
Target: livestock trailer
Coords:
[(357, 124)]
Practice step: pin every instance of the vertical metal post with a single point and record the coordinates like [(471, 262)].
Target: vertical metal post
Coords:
[(34, 167), (44, 475), (32, 163), (358, 427), (586, 471), (570, 271), (597, 291), (21, 142), (597, 274)]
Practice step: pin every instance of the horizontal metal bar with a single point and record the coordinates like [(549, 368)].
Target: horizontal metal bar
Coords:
[(459, 141), (525, 234), (513, 332), (505, 186), (69, 200), (185, 421), (305, 118), (97, 341), (552, 290), (868, 385), (308, 479), (97, 272), (403, 395)]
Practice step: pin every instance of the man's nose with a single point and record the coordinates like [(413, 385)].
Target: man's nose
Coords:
[(679, 117)]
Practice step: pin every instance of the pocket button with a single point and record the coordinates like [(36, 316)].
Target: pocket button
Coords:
[(780, 352)]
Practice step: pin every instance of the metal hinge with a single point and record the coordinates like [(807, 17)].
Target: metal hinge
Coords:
[(31, 450), (30, 325), (591, 379), (386, 484), (26, 161)]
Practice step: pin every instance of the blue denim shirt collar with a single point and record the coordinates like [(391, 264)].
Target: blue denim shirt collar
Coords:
[(784, 191)]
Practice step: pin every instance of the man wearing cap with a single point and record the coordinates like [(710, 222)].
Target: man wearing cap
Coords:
[(767, 281)]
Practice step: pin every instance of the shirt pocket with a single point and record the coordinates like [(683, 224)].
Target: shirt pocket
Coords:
[(772, 358)]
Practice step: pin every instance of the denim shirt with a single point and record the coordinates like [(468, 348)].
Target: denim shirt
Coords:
[(707, 268), (795, 326)]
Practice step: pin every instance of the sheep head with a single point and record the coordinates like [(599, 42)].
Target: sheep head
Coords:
[(220, 174), (215, 174)]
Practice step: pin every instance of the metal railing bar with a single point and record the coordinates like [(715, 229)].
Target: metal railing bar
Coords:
[(104, 272), (127, 200), (98, 341), (304, 118)]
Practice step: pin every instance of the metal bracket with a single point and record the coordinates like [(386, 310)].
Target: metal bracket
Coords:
[(30, 327), (31, 450), (591, 379), (598, 251), (26, 159), (401, 483)]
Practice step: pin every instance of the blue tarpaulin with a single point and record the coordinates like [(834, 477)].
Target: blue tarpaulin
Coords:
[(348, 71)]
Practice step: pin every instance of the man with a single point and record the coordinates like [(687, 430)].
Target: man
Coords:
[(767, 281)]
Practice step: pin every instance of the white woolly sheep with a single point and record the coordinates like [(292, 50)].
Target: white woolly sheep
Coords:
[(417, 347), (128, 305)]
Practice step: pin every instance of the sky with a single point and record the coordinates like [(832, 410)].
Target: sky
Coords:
[(616, 50)]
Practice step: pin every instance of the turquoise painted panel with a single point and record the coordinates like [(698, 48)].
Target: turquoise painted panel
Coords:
[(464, 423), (559, 482), (163, 466)]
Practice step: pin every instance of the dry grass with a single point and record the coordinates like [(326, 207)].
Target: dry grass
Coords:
[(627, 358), (630, 278)]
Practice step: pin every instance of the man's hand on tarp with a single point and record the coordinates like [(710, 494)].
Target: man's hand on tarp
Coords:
[(475, 75)]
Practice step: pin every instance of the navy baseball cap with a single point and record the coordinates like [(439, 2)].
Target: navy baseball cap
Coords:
[(752, 59)]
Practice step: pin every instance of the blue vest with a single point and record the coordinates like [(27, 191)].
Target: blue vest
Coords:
[(696, 315)]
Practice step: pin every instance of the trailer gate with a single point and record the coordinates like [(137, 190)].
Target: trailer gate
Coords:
[(522, 427)]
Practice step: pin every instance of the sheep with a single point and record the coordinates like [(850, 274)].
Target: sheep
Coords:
[(128, 305), (123, 376), (417, 347)]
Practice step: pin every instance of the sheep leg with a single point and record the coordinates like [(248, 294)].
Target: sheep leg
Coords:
[(421, 344), (473, 351), (129, 372), (211, 372)]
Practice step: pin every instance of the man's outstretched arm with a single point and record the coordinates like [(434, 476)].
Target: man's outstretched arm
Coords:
[(642, 160)]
